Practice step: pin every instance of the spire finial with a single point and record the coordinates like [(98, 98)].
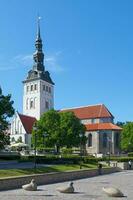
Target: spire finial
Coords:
[(38, 55), (38, 27)]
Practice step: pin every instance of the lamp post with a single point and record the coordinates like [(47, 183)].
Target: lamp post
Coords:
[(35, 144)]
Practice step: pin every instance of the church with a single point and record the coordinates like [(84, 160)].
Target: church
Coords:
[(102, 134)]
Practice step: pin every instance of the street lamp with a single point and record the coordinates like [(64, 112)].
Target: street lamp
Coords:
[(35, 144)]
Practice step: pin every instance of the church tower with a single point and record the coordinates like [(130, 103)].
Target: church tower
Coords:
[(38, 96)]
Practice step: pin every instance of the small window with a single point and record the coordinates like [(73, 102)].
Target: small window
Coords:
[(43, 87), (47, 105), (90, 140), (27, 104), (27, 89), (46, 88), (49, 89), (92, 121), (35, 87), (105, 140), (117, 139), (31, 88), (31, 104)]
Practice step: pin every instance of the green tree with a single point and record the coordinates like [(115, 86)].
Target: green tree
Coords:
[(49, 124), (63, 129), (127, 137), (6, 111), (72, 130)]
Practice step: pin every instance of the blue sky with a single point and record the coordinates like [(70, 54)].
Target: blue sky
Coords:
[(88, 46)]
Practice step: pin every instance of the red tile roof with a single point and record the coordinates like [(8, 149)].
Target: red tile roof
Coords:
[(102, 126), (27, 122), (90, 112)]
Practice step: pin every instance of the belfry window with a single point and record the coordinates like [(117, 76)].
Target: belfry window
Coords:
[(43, 87), (49, 89), (46, 88), (27, 89), (31, 88), (35, 87)]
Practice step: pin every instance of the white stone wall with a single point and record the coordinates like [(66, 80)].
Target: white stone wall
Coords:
[(46, 97), (97, 120), (38, 98), (17, 131), (106, 120), (94, 148), (90, 121)]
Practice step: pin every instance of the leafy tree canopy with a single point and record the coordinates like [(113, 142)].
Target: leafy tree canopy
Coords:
[(48, 129), (72, 131), (62, 128), (127, 137), (6, 111)]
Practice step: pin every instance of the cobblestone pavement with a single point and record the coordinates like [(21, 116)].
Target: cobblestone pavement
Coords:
[(85, 189)]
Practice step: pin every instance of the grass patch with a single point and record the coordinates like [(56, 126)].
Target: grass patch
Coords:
[(53, 168)]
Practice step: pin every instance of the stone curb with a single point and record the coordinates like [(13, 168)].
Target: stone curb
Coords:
[(49, 178)]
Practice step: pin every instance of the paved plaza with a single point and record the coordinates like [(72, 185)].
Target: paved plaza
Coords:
[(85, 189)]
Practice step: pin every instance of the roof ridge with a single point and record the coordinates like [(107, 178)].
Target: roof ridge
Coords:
[(81, 107)]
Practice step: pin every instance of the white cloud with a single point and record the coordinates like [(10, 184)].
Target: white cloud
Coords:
[(51, 62), (16, 62)]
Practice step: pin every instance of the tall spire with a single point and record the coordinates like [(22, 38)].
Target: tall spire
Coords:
[(38, 55), (38, 28)]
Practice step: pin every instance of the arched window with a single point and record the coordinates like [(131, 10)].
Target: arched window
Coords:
[(35, 102), (90, 140), (13, 139), (27, 104), (31, 103), (105, 140), (117, 139)]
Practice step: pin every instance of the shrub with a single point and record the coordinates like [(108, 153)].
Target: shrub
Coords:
[(66, 150), (9, 157), (130, 154)]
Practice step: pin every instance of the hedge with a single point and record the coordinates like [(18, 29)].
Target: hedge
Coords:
[(57, 159), (9, 157), (130, 154)]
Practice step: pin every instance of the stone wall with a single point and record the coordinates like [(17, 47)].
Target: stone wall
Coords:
[(49, 178)]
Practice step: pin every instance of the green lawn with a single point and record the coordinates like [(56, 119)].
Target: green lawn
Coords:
[(54, 168)]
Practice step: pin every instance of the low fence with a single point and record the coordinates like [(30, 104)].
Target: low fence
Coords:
[(49, 178)]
